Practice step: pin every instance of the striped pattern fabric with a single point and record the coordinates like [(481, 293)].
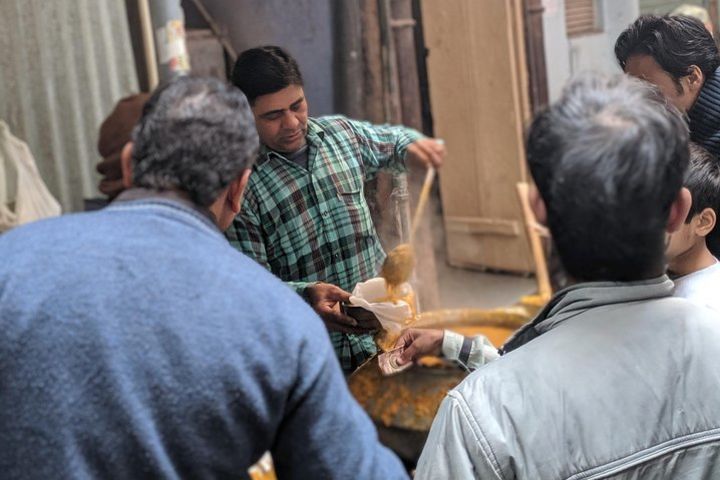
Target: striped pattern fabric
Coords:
[(705, 115), (308, 225)]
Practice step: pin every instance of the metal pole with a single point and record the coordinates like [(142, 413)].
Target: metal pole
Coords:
[(168, 23), (393, 112), (148, 41), (348, 59)]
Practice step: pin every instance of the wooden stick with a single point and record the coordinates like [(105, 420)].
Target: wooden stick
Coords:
[(216, 30), (541, 270), (422, 201)]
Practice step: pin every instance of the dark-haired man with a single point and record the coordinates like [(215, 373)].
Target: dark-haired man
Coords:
[(136, 343), (679, 55), (305, 217), (615, 378)]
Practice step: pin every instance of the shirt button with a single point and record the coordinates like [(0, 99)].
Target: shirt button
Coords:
[(325, 213)]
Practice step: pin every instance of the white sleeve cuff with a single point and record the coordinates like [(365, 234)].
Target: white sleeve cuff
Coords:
[(451, 345), (481, 350)]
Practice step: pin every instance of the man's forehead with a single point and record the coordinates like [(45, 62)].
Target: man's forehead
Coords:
[(642, 65), (280, 100)]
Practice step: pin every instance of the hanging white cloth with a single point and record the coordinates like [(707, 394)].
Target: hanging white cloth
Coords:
[(24, 197)]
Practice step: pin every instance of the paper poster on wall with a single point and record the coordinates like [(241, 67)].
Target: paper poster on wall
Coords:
[(171, 48)]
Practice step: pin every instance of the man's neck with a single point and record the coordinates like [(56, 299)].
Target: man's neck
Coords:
[(290, 154), (696, 258), (139, 193)]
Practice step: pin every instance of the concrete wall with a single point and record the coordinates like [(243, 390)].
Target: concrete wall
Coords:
[(63, 66), (567, 56), (303, 27)]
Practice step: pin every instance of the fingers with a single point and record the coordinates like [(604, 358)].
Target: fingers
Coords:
[(419, 343), (437, 147), (338, 294), (438, 153), (429, 152), (409, 354), (110, 166), (325, 293), (338, 322), (405, 338)]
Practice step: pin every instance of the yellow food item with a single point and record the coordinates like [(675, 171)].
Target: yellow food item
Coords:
[(398, 265), (389, 398), (431, 362), (264, 469), (384, 339)]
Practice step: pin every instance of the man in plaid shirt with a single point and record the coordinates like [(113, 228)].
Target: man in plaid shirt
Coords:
[(304, 216)]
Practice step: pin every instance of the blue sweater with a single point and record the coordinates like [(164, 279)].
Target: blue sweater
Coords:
[(135, 342)]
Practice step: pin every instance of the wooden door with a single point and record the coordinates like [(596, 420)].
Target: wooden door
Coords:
[(479, 99)]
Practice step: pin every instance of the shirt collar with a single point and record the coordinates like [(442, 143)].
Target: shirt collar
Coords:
[(582, 297)]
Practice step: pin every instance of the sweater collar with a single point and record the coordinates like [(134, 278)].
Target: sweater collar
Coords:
[(582, 297), (172, 198)]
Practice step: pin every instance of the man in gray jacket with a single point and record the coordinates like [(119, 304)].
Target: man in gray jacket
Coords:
[(615, 378)]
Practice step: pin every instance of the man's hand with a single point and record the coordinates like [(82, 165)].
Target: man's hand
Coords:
[(325, 299), (427, 151), (419, 343)]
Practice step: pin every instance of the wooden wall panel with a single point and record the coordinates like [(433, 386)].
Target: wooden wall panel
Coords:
[(479, 98)]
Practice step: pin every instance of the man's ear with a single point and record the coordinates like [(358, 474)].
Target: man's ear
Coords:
[(695, 79), (679, 210), (236, 190), (537, 205), (705, 223), (126, 165)]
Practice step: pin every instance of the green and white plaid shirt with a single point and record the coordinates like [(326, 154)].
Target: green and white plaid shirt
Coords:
[(308, 225)]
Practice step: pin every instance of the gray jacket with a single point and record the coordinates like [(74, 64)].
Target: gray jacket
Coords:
[(612, 380)]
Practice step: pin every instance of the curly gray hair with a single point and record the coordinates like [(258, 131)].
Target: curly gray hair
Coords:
[(196, 135)]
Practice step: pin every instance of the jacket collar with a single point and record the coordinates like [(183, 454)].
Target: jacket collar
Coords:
[(582, 297), (314, 137), (704, 115)]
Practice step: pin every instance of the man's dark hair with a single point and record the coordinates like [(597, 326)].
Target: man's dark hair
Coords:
[(263, 70), (608, 160), (703, 181), (675, 42), (196, 135)]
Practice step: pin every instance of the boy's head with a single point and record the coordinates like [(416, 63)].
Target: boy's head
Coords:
[(699, 229), (608, 160)]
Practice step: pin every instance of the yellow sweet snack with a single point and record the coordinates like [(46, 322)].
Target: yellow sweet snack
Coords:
[(264, 469), (398, 265), (384, 339)]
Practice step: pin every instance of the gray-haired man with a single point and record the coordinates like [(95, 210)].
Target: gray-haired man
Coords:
[(137, 343), (615, 378)]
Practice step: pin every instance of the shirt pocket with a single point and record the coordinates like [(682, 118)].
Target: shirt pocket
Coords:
[(354, 211), (352, 220)]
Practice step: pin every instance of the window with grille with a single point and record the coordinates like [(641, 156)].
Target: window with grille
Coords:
[(581, 17)]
